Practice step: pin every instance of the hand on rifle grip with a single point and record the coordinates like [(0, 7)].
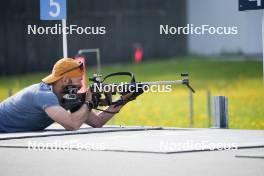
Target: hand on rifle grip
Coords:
[(127, 97), (138, 90)]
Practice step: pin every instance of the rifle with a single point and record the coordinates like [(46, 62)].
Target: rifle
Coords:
[(72, 100)]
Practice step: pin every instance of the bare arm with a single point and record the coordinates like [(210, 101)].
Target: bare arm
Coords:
[(98, 120), (70, 121)]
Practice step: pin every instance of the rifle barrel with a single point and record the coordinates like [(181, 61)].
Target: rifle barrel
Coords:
[(154, 83), (163, 82)]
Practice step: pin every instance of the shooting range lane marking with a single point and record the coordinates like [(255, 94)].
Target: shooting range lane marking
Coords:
[(139, 151), (250, 156), (79, 132), (67, 133), (150, 138)]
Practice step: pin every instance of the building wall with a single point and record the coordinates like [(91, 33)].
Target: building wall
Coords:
[(224, 13)]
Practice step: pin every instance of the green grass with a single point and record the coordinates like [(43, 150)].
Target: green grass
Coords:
[(241, 82)]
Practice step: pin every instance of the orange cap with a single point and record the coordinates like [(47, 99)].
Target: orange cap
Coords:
[(64, 67)]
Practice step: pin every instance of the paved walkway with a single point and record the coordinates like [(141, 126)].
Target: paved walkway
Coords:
[(133, 151)]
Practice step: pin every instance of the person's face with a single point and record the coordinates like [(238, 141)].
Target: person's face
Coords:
[(75, 81), (72, 81)]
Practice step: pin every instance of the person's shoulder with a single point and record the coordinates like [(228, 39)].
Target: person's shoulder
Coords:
[(39, 88), (44, 95), (44, 87), (44, 90)]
